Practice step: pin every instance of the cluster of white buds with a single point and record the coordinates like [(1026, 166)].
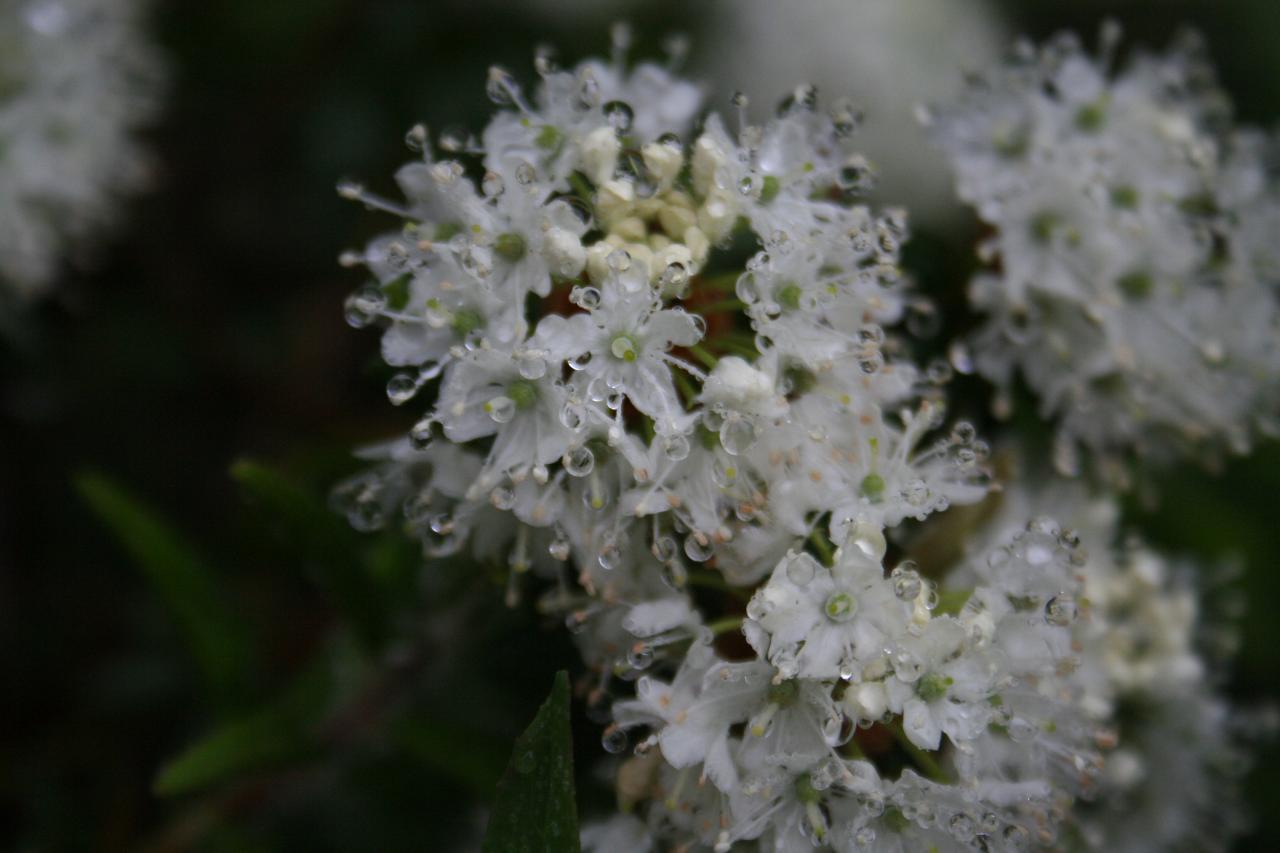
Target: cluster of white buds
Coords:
[(77, 78), (1132, 270), (663, 384)]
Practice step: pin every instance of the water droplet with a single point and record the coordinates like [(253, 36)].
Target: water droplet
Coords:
[(501, 409), (416, 138), (572, 416), (619, 115), (801, 568), (697, 548), (1020, 730), (676, 447), (492, 184), (674, 278), (422, 434), (452, 141), (587, 298), (640, 656), (1061, 610), (401, 388), (962, 827), (737, 435), (614, 740), (559, 548), (906, 581), (503, 497), (501, 86), (363, 306), (526, 762), (579, 461), (610, 556), (588, 89)]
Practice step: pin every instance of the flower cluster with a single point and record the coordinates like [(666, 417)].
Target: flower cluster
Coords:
[(76, 79), (1131, 274), (664, 379), (597, 379)]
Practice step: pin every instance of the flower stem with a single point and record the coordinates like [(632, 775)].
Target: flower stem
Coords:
[(725, 625), (923, 760), (701, 354)]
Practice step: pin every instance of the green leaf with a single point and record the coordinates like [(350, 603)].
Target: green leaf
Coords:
[(218, 639), (461, 755), (534, 809), (323, 542), (282, 732)]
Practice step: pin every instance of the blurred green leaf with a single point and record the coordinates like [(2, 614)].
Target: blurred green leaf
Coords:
[(218, 639), (323, 542), (534, 809), (466, 757), (281, 732)]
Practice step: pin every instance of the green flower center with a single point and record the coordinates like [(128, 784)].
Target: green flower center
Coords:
[(840, 606), (789, 296), (872, 487), (1136, 285), (625, 348), (783, 694), (933, 686), (523, 393), (510, 246), (466, 321)]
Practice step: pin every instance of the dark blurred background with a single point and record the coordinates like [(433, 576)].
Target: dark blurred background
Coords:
[(211, 332)]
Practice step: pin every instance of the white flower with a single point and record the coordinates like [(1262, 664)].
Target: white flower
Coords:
[(80, 78), (1132, 293)]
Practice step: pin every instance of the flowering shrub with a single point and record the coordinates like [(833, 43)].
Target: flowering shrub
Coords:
[(670, 392)]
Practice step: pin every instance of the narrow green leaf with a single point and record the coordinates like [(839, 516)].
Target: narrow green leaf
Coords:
[(322, 541), (534, 809), (218, 639), (460, 755), (281, 732)]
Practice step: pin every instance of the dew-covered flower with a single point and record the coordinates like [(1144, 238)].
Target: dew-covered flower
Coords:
[(1126, 281), (664, 378), (77, 79)]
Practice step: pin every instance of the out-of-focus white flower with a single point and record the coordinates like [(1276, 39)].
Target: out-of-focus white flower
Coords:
[(886, 56), (1127, 282), (77, 79)]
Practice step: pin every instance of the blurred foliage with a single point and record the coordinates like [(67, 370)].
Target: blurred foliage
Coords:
[(200, 654)]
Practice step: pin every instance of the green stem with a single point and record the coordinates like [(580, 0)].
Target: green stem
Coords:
[(701, 354), (581, 186), (724, 281), (923, 760), (821, 545), (725, 625), (748, 352), (713, 580), (721, 306), (685, 385)]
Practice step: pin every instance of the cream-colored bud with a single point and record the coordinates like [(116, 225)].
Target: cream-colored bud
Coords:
[(598, 260), (600, 151), (676, 253), (631, 228), (564, 252), (675, 219), (717, 215), (614, 200), (708, 157), (699, 246), (663, 162)]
